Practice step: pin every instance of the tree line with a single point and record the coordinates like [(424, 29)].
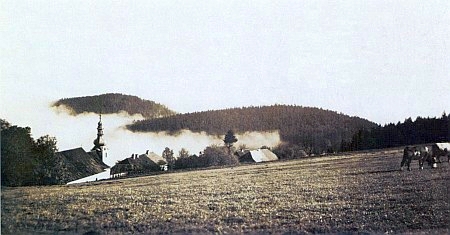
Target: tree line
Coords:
[(114, 103), (409, 132), (26, 161), (313, 128), (211, 156), (216, 155)]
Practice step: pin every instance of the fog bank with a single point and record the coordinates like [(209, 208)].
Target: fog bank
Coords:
[(73, 131)]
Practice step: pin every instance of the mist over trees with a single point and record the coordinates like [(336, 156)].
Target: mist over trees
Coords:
[(26, 161), (315, 129), (114, 103), (420, 131)]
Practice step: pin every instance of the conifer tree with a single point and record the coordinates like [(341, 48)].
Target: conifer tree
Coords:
[(229, 140)]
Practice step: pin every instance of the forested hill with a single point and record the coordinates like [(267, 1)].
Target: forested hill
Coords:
[(114, 103), (309, 127)]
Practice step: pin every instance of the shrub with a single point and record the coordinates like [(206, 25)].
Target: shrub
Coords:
[(289, 151)]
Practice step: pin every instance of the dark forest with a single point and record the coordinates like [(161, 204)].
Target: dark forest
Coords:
[(114, 103), (313, 128), (420, 131)]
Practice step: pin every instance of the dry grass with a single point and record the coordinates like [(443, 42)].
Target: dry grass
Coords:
[(352, 193)]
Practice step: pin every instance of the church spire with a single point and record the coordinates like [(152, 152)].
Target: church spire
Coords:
[(99, 142)]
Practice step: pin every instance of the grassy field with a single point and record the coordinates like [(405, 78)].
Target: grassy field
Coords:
[(362, 192)]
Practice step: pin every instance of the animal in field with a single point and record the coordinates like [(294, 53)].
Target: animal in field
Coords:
[(421, 153), (439, 150)]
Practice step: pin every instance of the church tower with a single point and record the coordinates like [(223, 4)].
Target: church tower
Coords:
[(99, 143)]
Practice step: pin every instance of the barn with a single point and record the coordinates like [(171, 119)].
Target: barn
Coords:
[(258, 155), (74, 164)]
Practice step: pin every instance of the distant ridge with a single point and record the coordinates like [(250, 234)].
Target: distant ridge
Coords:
[(114, 103), (319, 129)]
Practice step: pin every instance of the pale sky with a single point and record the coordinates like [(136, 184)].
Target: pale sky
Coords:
[(381, 60)]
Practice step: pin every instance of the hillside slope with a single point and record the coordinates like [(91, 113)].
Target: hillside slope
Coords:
[(309, 127), (114, 103)]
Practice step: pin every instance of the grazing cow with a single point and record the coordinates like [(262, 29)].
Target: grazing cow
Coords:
[(439, 150), (416, 153)]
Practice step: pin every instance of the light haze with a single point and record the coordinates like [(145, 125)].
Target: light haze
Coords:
[(380, 60)]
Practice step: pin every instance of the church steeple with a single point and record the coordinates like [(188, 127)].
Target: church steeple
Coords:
[(99, 142)]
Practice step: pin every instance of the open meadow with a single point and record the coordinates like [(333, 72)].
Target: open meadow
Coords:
[(361, 192)]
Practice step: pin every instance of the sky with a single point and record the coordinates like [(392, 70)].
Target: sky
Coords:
[(380, 60)]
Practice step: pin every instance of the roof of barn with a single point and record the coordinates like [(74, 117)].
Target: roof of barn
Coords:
[(155, 157), (263, 155), (76, 163)]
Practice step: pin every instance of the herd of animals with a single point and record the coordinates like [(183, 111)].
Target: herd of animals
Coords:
[(425, 153)]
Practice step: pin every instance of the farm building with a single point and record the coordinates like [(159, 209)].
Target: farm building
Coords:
[(138, 164), (258, 155), (76, 163), (157, 159)]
